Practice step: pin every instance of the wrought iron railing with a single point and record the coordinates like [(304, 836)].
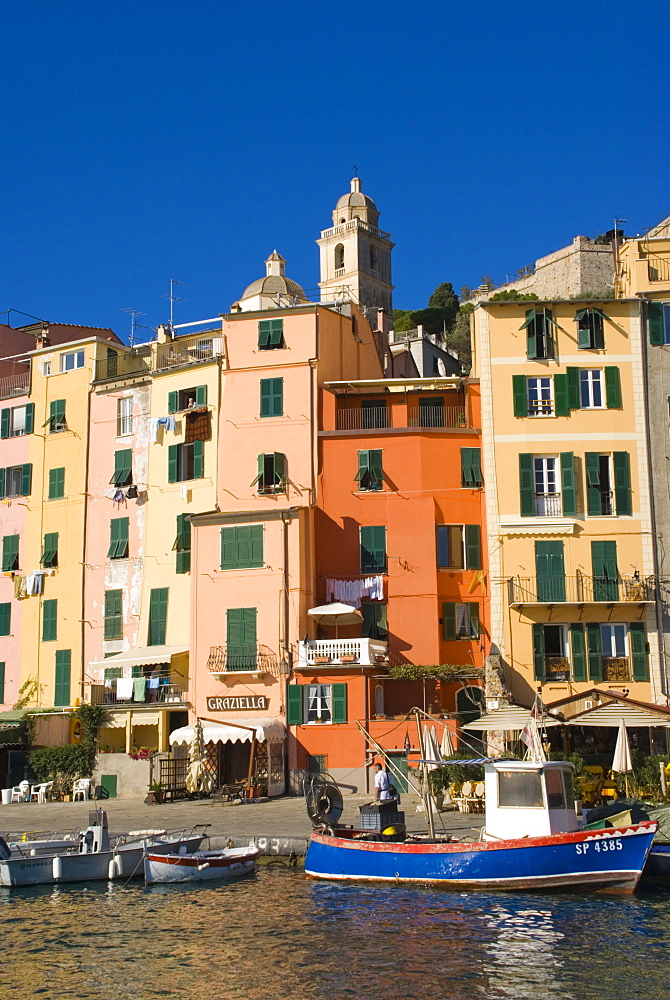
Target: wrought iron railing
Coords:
[(123, 364), (235, 659), (548, 504), (616, 668), (187, 351), (581, 589), (166, 691), (14, 385), (363, 418), (436, 416), (556, 668)]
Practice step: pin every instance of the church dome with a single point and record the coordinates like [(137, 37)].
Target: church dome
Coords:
[(274, 283)]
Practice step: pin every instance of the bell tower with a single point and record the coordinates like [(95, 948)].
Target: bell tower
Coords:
[(356, 255)]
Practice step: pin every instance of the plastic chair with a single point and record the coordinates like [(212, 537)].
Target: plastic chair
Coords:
[(18, 794), (81, 788), (41, 792)]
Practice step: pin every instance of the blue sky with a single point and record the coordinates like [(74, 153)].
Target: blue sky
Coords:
[(152, 140)]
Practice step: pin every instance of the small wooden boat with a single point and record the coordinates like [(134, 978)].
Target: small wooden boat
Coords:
[(200, 866)]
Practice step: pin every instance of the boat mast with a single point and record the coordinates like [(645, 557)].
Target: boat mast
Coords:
[(425, 788)]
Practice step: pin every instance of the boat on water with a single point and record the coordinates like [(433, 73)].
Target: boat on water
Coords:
[(91, 857), (532, 840), (199, 866)]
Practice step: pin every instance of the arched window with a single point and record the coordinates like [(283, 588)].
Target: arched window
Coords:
[(339, 256), (373, 258), (379, 700)]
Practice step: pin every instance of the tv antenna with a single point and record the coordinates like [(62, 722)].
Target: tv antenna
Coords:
[(174, 298), (134, 325)]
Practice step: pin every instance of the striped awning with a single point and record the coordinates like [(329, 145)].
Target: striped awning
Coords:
[(243, 732), (611, 714), (143, 656), (506, 720)]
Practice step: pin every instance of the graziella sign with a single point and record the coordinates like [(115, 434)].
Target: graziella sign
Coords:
[(237, 703)]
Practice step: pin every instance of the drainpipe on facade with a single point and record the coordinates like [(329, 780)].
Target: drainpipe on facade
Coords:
[(85, 519)]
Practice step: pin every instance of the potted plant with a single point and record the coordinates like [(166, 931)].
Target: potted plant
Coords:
[(155, 796)]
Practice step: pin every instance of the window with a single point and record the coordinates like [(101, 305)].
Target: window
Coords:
[(241, 652), (601, 470), (182, 544), (56, 484), (10, 553), (550, 571), (540, 397), (187, 399), (547, 497), (590, 331), (49, 621), (56, 421), (460, 621), (158, 616), (459, 546), (591, 388), (271, 476), (520, 790), (316, 703), (616, 652), (46, 368), (539, 327), (17, 420), (242, 547), (71, 360), (339, 256), (113, 621), (118, 538), (658, 320), (471, 467), (50, 551), (551, 658), (112, 359), (605, 571), (62, 678), (5, 619), (123, 467), (374, 621), (370, 475), (373, 257), (373, 549), (270, 334), (16, 481), (614, 641), (272, 397), (124, 416), (186, 461)]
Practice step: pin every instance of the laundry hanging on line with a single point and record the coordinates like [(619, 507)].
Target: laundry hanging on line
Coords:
[(352, 591)]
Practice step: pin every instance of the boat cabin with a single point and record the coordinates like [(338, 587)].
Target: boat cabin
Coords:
[(527, 798)]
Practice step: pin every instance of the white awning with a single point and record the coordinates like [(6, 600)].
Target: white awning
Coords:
[(219, 732), (611, 714), (507, 719), (143, 656)]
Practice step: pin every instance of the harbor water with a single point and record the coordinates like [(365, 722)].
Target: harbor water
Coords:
[(277, 935)]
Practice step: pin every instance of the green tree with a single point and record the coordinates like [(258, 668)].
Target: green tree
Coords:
[(444, 297), (458, 338)]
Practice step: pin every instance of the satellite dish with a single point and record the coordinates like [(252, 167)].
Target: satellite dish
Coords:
[(323, 799)]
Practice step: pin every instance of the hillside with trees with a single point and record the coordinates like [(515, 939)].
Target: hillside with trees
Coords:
[(444, 317)]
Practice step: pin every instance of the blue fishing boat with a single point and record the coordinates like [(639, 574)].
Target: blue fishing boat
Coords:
[(532, 840)]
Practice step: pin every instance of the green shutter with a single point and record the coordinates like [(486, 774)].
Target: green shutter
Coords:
[(123, 467), (599, 329), (49, 621), (30, 418), (471, 467), (256, 545), (5, 619), (10, 553), (198, 459), (182, 544), (655, 322), (241, 638), (56, 484), (578, 648), (2, 683), (26, 479), (272, 397), (56, 415), (294, 704), (373, 549), (62, 678), (605, 571), (376, 471), (172, 402), (475, 625), (568, 487), (270, 333), (264, 334), (118, 538), (4, 423), (173, 455), (228, 548), (638, 651), (593, 496), (530, 327), (538, 652), (583, 332), (201, 395), (622, 494), (561, 396), (520, 393), (242, 547), (549, 341), (526, 485), (363, 465), (449, 620), (158, 616), (339, 697), (375, 625), (594, 651), (50, 551), (550, 570), (276, 332), (574, 398), (612, 388), (113, 621), (473, 547)]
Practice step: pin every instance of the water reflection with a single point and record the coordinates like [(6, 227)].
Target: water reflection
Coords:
[(277, 935)]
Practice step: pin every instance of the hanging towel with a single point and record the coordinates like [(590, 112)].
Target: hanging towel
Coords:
[(39, 581), (139, 688), (169, 423), (154, 682), (198, 425), (19, 582), (153, 429), (124, 688)]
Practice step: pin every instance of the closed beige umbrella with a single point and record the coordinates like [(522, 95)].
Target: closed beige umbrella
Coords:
[(198, 778)]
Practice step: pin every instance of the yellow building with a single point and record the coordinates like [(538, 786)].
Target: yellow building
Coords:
[(573, 584)]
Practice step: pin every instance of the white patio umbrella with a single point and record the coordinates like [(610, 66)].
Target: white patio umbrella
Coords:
[(336, 614), (446, 746), (622, 762), (198, 778), (433, 757)]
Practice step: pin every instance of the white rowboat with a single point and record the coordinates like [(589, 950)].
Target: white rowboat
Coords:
[(201, 866)]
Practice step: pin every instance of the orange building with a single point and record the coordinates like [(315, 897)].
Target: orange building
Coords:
[(399, 533)]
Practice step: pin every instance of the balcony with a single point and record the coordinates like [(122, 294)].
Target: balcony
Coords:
[(363, 418), (581, 589), (186, 351), (235, 660), (169, 691), (659, 269), (123, 364), (14, 385), (316, 653), (556, 668), (548, 505), (615, 669), (436, 416)]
